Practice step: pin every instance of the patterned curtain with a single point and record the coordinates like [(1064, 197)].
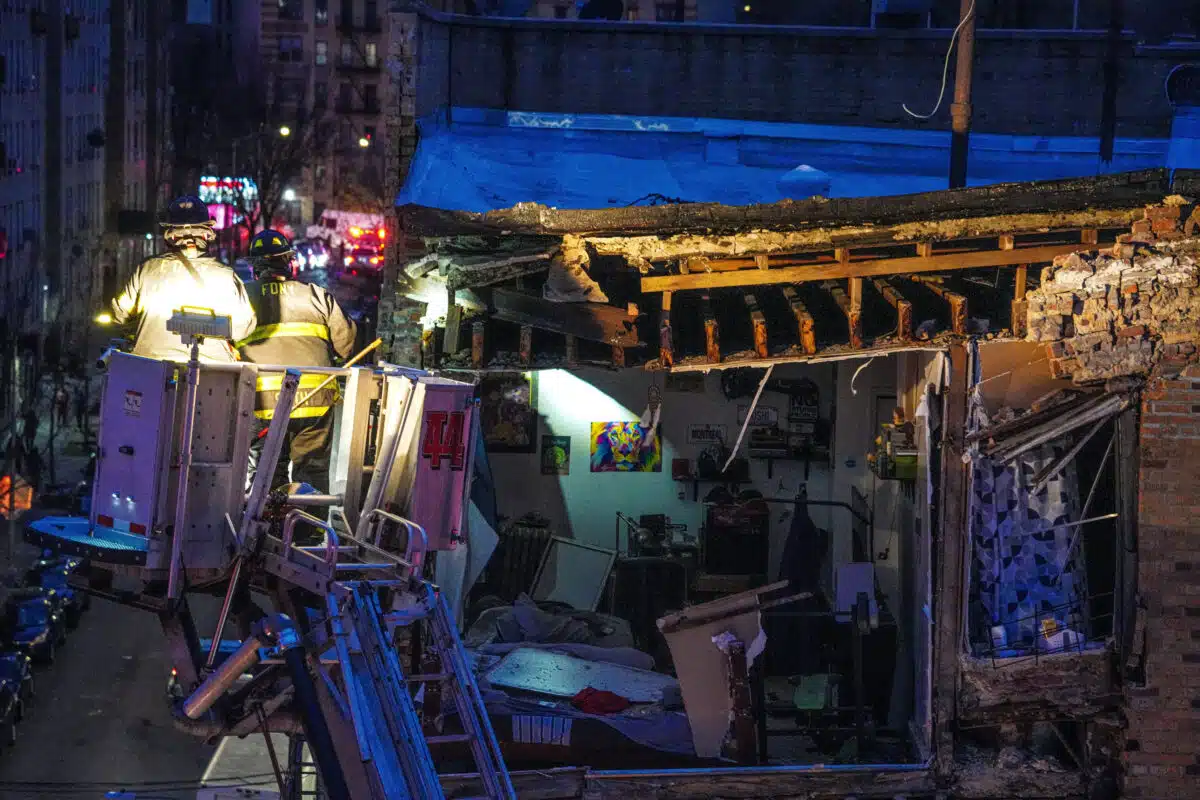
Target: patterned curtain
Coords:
[(1021, 571)]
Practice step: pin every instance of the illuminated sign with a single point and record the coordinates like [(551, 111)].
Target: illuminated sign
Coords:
[(221, 191)]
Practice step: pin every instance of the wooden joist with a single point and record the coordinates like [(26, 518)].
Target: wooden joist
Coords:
[(902, 306), (1020, 307), (595, 322), (666, 344), (477, 345), (859, 269), (526, 350), (712, 335), (957, 303), (853, 314), (758, 322), (804, 322)]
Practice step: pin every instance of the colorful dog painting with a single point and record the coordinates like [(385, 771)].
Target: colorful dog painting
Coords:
[(625, 447)]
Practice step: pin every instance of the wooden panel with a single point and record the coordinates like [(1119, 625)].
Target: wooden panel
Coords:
[(453, 325), (595, 322), (859, 269), (805, 328)]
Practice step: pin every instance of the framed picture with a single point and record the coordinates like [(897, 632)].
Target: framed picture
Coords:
[(556, 455), (508, 412), (625, 447)]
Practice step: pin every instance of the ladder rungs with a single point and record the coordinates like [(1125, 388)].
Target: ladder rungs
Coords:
[(453, 738)]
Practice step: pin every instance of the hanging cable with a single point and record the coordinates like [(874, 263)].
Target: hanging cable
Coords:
[(945, 68)]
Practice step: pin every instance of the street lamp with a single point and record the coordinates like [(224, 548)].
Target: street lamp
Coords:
[(289, 195), (364, 142), (285, 131), (104, 318)]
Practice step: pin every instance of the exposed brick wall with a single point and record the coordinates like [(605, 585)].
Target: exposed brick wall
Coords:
[(1037, 83), (1162, 759), (1120, 313)]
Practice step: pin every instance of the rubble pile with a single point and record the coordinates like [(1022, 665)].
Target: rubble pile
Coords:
[(1124, 311)]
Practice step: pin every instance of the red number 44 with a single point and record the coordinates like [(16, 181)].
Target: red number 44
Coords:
[(444, 439)]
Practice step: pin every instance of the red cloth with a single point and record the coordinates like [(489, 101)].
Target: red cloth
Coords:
[(596, 701)]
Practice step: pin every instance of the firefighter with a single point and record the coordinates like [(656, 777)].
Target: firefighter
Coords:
[(299, 325), (184, 276)]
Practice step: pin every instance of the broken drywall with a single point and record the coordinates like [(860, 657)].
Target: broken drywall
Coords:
[(1123, 312)]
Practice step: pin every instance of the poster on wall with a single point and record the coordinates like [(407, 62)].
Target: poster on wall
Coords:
[(706, 434), (625, 447), (508, 413), (764, 416), (556, 455)]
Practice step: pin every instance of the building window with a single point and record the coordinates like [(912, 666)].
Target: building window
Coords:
[(371, 15), (291, 48), (372, 54), (321, 53), (320, 13), (344, 95), (320, 94), (347, 53), (291, 9)]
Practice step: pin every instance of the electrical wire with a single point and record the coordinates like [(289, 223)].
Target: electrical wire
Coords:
[(945, 68)]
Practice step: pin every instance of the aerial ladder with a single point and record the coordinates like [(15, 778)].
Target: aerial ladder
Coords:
[(323, 667)]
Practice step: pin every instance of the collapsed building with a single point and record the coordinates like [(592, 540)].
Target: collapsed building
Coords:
[(982, 400)]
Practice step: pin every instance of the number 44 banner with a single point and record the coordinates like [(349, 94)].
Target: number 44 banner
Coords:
[(444, 465)]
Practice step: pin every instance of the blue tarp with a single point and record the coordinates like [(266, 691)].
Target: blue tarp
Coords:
[(479, 160)]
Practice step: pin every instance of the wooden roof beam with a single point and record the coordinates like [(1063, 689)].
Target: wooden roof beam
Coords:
[(758, 321), (666, 343), (835, 270), (1020, 307), (957, 303), (902, 306), (804, 322), (712, 334), (853, 313)]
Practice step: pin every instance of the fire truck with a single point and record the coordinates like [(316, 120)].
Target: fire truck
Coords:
[(329, 626)]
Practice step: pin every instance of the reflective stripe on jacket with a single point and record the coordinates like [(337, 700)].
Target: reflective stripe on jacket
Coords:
[(299, 325)]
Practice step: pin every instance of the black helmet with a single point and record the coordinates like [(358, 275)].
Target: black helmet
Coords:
[(187, 210), (271, 253)]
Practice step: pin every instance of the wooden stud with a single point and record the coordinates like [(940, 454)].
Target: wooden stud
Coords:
[(1089, 236), (618, 356), (758, 322), (856, 294), (841, 255), (1007, 241), (666, 345), (683, 266), (428, 350), (902, 306), (804, 321), (957, 303), (853, 316), (526, 352), (572, 351), (453, 323), (1020, 307), (712, 335), (925, 249), (477, 345), (762, 262), (808, 273)]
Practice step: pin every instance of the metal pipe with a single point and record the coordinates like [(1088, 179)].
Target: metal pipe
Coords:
[(960, 109), (282, 722), (220, 681), (314, 499), (174, 587), (362, 567), (223, 617)]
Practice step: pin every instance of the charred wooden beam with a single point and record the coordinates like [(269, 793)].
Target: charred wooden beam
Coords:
[(1007, 241), (666, 344), (618, 356), (859, 269), (804, 321), (526, 349), (429, 356), (841, 255), (477, 345), (1020, 307), (853, 315), (453, 323), (957, 303), (572, 351), (595, 322), (758, 321), (712, 335), (902, 306)]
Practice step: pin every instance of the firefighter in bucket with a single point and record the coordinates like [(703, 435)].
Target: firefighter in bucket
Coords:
[(299, 325)]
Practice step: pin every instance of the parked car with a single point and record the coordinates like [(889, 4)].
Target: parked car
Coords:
[(36, 625), (11, 710), (17, 668), (312, 254), (54, 578)]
